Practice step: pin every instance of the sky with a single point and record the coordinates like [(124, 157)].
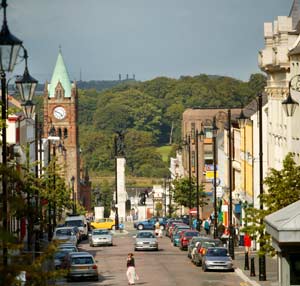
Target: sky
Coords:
[(101, 39)]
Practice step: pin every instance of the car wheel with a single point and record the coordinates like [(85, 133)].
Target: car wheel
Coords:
[(96, 278), (113, 227), (140, 227)]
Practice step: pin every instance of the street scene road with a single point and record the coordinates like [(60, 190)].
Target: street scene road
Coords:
[(168, 266)]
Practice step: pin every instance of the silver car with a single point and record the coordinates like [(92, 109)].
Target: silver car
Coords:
[(80, 265), (217, 258), (65, 234), (145, 240), (100, 237)]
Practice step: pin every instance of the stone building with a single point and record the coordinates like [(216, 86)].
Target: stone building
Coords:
[(61, 129), (280, 60)]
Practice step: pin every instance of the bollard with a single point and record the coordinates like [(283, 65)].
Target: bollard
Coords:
[(252, 268), (246, 267)]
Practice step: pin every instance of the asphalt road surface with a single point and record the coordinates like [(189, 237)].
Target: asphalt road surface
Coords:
[(167, 267)]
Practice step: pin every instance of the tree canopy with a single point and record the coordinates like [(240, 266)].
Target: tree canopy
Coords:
[(151, 111)]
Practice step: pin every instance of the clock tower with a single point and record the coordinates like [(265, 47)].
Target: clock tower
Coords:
[(60, 116)]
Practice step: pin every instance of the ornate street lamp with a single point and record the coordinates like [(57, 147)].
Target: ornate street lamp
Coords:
[(199, 136), (215, 133), (73, 194), (289, 104), (9, 50)]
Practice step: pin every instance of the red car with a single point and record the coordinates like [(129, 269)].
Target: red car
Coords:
[(186, 237)]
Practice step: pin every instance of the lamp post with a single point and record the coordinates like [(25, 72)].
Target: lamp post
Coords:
[(9, 50), (199, 135), (187, 143), (73, 194), (116, 184), (242, 121), (215, 131)]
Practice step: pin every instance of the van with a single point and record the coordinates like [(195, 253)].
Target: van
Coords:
[(79, 221)]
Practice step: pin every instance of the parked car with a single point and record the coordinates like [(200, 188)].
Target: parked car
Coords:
[(186, 237), (169, 224), (80, 265), (172, 226), (59, 257), (149, 224), (80, 222), (65, 234), (70, 247), (192, 244), (178, 228), (217, 258), (103, 223), (176, 237), (145, 240), (100, 237), (202, 249)]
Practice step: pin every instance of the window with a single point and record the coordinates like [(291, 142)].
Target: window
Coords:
[(65, 133)]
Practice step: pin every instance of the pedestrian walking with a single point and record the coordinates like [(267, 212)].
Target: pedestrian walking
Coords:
[(247, 243), (207, 226), (157, 227), (131, 273)]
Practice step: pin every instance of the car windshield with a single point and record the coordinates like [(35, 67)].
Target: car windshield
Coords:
[(68, 249), (74, 223), (145, 235), (82, 260), (216, 252), (100, 232), (62, 232)]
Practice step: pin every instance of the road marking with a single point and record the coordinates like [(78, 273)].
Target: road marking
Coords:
[(246, 279)]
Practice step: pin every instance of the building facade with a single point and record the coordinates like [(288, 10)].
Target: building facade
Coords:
[(60, 123)]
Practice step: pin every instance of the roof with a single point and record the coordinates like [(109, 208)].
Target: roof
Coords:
[(284, 224), (60, 75), (252, 107), (295, 13), (287, 218)]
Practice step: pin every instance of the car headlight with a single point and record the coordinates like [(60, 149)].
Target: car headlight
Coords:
[(139, 243), (209, 262)]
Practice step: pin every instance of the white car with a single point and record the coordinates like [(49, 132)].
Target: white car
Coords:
[(65, 234)]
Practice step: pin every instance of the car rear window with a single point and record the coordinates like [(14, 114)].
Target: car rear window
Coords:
[(216, 252), (74, 223), (191, 233), (99, 232), (61, 232), (82, 260)]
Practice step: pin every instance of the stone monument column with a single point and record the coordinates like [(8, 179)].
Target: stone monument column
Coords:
[(121, 189)]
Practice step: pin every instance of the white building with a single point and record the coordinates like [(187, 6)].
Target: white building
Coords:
[(280, 60)]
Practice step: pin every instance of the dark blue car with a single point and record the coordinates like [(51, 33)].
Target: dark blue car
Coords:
[(150, 224)]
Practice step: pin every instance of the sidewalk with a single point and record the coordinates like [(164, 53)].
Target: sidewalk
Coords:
[(271, 268)]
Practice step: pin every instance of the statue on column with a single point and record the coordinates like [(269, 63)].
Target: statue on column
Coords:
[(119, 143)]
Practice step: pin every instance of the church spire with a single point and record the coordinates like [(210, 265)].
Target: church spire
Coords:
[(60, 75), (295, 13)]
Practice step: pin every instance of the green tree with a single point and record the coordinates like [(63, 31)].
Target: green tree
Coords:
[(283, 189), (184, 192)]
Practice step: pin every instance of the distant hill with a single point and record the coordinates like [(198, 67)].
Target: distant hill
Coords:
[(98, 85)]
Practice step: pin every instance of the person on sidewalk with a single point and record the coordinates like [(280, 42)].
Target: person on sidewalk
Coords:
[(207, 226), (131, 273), (247, 243), (157, 227)]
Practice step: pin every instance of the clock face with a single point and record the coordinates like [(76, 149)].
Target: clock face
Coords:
[(59, 112)]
